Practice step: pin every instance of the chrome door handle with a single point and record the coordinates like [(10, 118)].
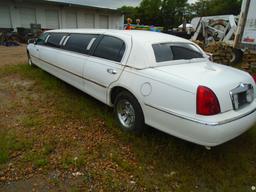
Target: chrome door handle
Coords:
[(112, 71)]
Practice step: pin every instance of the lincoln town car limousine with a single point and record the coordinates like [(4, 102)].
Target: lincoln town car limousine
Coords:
[(152, 78)]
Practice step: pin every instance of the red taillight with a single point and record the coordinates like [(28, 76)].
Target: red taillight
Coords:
[(207, 102), (254, 77)]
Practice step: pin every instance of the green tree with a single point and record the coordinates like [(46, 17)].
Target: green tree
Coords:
[(200, 8), (166, 13), (216, 7), (129, 12), (172, 12), (220, 7), (169, 13), (149, 12)]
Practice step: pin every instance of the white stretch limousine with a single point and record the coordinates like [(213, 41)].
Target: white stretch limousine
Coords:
[(153, 78)]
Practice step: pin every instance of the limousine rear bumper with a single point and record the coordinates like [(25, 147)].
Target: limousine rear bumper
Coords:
[(207, 133)]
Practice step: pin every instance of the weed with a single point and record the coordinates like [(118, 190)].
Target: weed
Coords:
[(37, 158), (72, 161), (9, 143), (30, 121), (40, 162)]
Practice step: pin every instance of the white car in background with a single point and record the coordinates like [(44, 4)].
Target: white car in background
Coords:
[(152, 78)]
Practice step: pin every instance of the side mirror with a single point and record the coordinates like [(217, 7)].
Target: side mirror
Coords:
[(32, 41)]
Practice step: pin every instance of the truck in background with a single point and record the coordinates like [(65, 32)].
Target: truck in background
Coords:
[(246, 30)]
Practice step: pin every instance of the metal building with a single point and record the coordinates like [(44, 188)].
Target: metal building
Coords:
[(57, 14)]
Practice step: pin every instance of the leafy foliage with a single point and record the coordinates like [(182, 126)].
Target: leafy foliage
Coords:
[(150, 12), (129, 12), (216, 7), (159, 13), (173, 12), (169, 13)]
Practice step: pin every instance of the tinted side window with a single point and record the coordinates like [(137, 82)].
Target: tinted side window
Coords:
[(54, 39), (41, 39), (162, 52), (110, 48), (175, 51), (79, 42), (182, 52)]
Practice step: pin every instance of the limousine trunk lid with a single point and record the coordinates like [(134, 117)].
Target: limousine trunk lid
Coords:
[(219, 78)]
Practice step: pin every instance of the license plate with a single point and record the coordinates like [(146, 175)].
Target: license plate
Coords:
[(242, 96)]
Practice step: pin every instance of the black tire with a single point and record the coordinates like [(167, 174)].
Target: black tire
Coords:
[(237, 56), (138, 123)]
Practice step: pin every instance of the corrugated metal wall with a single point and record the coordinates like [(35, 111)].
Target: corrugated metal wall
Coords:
[(13, 15)]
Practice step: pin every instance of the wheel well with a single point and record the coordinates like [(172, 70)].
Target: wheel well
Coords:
[(114, 92)]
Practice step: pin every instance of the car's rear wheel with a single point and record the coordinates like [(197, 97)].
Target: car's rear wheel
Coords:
[(128, 112)]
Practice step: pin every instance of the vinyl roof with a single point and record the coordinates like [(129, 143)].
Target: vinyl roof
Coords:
[(141, 55), (139, 35)]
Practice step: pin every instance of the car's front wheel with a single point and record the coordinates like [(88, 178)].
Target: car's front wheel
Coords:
[(30, 61), (128, 112)]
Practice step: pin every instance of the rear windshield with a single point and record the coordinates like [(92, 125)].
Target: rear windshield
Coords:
[(176, 51)]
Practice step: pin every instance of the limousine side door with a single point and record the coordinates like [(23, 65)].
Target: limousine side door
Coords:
[(74, 56), (105, 65), (63, 64), (34, 49)]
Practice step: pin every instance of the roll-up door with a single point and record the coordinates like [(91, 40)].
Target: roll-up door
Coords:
[(27, 16), (89, 20), (5, 19), (52, 19), (71, 19), (104, 22)]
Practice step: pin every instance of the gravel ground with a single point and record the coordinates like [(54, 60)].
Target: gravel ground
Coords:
[(13, 55), (53, 137)]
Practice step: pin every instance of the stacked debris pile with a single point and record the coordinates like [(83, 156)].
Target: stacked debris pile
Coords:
[(249, 61), (221, 52), (199, 43), (9, 39)]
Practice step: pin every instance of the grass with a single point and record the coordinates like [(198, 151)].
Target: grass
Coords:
[(30, 121), (38, 159), (118, 161), (73, 161), (9, 142)]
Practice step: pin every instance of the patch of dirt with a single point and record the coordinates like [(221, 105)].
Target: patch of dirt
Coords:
[(4, 95), (13, 55), (36, 183), (43, 183), (14, 91), (55, 151)]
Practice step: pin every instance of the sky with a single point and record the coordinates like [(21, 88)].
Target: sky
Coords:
[(113, 4), (191, 1)]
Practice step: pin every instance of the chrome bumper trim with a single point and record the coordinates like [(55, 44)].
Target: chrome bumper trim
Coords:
[(200, 121)]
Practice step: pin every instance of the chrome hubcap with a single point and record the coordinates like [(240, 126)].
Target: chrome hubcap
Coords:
[(126, 113)]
